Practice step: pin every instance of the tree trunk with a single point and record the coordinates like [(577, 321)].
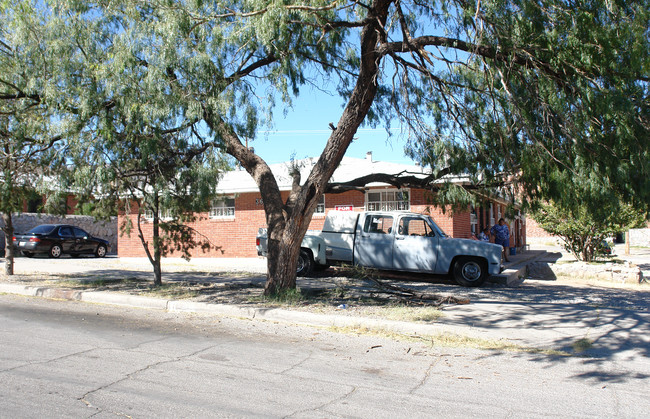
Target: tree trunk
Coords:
[(283, 250), (156, 258), (281, 263), (157, 271), (8, 229)]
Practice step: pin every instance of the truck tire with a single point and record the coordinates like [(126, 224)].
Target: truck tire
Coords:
[(305, 263), (469, 272)]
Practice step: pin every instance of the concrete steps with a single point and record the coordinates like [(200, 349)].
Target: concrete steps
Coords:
[(515, 270)]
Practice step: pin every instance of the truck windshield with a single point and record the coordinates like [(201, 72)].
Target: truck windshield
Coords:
[(435, 228)]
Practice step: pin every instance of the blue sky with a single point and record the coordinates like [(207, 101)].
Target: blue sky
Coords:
[(304, 132)]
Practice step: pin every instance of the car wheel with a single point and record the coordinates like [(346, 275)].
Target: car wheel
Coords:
[(470, 272), (101, 251), (305, 263), (28, 254), (55, 251)]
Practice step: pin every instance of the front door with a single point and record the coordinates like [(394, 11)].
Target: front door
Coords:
[(374, 243), (82, 245), (416, 245)]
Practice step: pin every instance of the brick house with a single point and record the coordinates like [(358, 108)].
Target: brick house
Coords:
[(234, 219)]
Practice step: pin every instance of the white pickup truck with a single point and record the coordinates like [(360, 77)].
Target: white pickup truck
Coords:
[(396, 240)]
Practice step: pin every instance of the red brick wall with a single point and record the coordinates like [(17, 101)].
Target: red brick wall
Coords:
[(534, 230), (235, 237)]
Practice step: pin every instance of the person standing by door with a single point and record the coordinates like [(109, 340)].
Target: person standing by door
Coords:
[(502, 236)]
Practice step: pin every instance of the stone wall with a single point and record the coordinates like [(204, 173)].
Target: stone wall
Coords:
[(615, 272), (103, 229), (640, 237)]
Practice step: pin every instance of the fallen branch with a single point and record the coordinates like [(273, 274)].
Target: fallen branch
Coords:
[(402, 292)]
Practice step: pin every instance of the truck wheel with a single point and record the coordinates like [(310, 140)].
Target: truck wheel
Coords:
[(305, 263), (470, 272), (55, 251)]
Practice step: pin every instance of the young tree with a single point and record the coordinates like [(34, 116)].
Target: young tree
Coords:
[(167, 178), (583, 231), (143, 152), (501, 86)]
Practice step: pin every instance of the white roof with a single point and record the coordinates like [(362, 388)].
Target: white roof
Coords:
[(239, 181)]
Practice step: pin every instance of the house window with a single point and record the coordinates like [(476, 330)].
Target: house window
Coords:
[(320, 208), (163, 214), (223, 208), (473, 220), (388, 200)]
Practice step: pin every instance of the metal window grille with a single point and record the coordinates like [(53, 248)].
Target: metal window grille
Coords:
[(223, 208), (391, 200)]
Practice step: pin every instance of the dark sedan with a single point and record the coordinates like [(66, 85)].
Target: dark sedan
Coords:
[(56, 239)]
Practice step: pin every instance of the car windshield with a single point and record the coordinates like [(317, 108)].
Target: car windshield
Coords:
[(435, 228), (42, 229)]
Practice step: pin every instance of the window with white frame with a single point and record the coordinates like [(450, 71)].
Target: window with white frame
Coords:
[(223, 208), (491, 215), (388, 200), (163, 214), (473, 220), (320, 208)]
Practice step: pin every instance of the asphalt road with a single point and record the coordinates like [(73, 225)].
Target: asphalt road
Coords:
[(67, 359)]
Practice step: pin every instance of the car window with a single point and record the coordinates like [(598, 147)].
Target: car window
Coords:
[(65, 232), (379, 224), (79, 233), (436, 228), (42, 229), (411, 226)]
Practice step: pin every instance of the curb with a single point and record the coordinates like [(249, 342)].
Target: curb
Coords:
[(268, 314)]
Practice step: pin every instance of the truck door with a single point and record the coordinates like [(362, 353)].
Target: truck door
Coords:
[(373, 246), (416, 245)]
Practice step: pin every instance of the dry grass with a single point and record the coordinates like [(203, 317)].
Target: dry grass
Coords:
[(449, 340), (410, 313)]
